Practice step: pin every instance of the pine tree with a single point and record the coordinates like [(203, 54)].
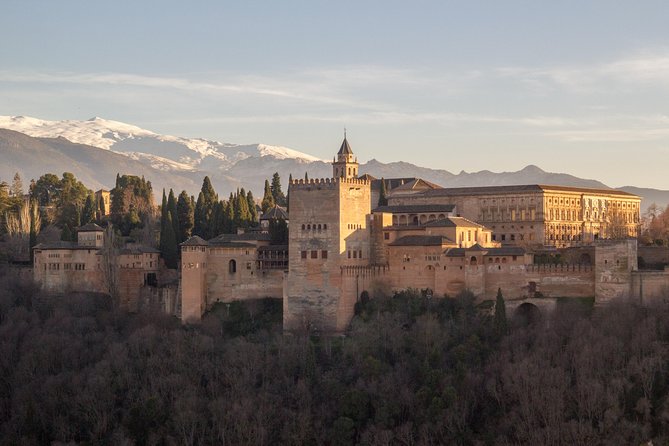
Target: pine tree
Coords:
[(17, 186), (500, 314), (186, 214), (383, 200), (170, 249), (267, 199), (277, 193)]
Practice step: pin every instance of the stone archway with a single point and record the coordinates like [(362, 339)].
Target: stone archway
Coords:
[(527, 314)]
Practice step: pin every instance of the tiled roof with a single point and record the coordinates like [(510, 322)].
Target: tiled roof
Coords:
[(139, 250), (247, 236), (345, 148), (90, 227), (421, 240), (231, 244), (498, 190), (63, 245), (273, 248), (416, 183), (195, 240), (415, 208), (451, 222), (276, 212), (503, 251)]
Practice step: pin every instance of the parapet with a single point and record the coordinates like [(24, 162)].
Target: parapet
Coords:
[(326, 182)]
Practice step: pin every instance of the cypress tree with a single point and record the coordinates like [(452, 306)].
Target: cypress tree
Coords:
[(230, 227), (88, 214), (383, 200), (290, 181), (199, 217), (34, 217), (66, 233), (163, 222), (277, 193), (267, 199), (500, 314), (172, 210), (253, 213), (185, 212), (306, 177), (171, 251), (242, 214)]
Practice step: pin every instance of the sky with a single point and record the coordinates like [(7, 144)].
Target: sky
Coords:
[(580, 87)]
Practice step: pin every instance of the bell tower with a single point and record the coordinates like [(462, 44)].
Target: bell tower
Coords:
[(346, 165)]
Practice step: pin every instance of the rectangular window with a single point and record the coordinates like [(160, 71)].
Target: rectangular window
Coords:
[(386, 235), (248, 265), (314, 254), (355, 254), (360, 254), (503, 237), (494, 237), (324, 254), (303, 254), (349, 253), (513, 237)]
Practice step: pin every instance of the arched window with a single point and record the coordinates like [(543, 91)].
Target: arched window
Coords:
[(232, 266), (473, 261)]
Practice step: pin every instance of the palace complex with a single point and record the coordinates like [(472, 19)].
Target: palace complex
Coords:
[(342, 243)]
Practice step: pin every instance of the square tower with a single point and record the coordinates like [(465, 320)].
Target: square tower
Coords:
[(328, 231)]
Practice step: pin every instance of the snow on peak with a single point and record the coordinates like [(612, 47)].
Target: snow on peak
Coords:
[(284, 153), (186, 153)]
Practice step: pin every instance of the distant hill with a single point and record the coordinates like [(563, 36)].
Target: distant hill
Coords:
[(97, 149)]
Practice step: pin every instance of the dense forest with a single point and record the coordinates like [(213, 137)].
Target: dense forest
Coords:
[(411, 370)]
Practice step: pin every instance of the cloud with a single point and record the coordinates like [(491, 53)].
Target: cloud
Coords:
[(647, 68)]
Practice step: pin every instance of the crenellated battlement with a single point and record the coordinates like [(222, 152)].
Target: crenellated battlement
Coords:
[(326, 182)]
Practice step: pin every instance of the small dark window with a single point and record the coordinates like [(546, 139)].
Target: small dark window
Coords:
[(303, 227), (232, 266), (314, 254), (360, 254), (325, 226), (303, 254), (386, 235), (324, 254), (503, 237), (355, 254)]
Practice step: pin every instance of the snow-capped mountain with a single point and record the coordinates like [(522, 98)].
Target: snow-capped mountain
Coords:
[(164, 152), (98, 149)]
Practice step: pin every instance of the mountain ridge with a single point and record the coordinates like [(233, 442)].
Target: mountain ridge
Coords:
[(182, 163)]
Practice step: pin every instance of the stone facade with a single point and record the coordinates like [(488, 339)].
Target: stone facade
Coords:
[(534, 215), (440, 241), (61, 267), (227, 268)]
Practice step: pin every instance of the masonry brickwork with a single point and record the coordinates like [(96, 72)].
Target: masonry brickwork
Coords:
[(340, 245)]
